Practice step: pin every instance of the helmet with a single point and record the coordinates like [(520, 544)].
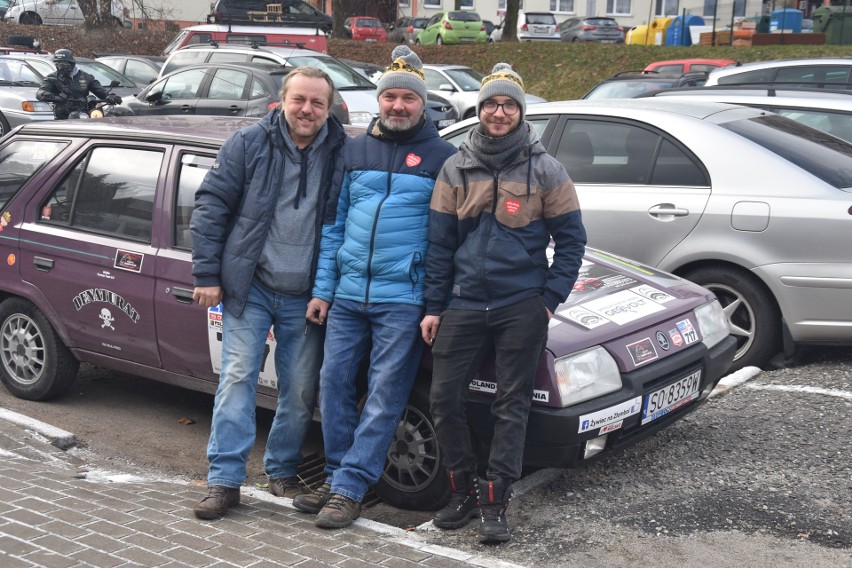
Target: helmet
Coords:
[(63, 55)]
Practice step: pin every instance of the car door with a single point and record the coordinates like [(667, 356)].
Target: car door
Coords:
[(176, 94), (430, 31), (226, 93), (641, 192), (86, 245), (63, 12)]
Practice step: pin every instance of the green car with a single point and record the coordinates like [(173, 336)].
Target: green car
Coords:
[(452, 27)]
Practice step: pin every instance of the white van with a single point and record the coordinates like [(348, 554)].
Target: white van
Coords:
[(58, 13)]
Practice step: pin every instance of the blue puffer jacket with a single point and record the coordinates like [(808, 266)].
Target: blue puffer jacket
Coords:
[(373, 247), (235, 203)]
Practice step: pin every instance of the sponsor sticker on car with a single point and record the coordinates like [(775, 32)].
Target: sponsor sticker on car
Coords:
[(609, 416)]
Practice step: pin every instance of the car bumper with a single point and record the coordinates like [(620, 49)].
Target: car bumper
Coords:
[(19, 118), (553, 436)]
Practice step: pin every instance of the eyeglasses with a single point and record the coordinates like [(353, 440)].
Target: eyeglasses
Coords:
[(509, 107)]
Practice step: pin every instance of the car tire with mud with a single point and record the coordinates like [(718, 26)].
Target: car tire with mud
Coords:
[(34, 363)]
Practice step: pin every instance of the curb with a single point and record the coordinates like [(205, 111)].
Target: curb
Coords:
[(58, 437)]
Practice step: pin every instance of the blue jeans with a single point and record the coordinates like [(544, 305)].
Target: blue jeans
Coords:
[(356, 446), (298, 357)]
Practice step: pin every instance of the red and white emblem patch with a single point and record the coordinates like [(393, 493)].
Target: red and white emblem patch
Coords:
[(512, 206), (412, 160)]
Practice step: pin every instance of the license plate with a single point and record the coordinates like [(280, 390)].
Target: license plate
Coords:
[(540, 30), (607, 41), (671, 397), (446, 123), (466, 40), (370, 39)]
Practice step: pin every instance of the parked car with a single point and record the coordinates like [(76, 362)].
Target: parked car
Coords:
[(363, 28), (747, 203), (452, 27), (532, 26), (271, 34), (440, 110), (632, 84), (681, 66), (284, 12), (103, 73), (4, 5), (59, 12), (141, 69), (597, 29), (358, 92), (460, 85), (230, 89), (18, 104), (404, 30), (823, 73), (97, 269), (826, 110)]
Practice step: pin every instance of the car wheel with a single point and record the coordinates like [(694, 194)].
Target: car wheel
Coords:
[(751, 311), (414, 476), (416, 41), (34, 363), (30, 20), (439, 40), (4, 126), (471, 112)]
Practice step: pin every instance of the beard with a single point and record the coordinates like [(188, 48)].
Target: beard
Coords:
[(398, 122)]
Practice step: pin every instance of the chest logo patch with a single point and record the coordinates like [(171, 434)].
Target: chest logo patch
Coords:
[(512, 206), (412, 160)]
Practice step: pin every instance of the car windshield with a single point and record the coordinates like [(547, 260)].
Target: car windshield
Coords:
[(464, 17), (344, 77), (105, 74), (823, 155), (627, 89), (16, 72), (468, 79)]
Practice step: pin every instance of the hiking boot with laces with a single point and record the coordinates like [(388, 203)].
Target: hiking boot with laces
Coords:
[(289, 487), (313, 502), (339, 512), (494, 497), (217, 502), (462, 507)]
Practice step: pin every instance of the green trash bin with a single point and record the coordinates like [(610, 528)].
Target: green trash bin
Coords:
[(835, 22)]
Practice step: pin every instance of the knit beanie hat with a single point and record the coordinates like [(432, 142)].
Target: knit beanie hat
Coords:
[(406, 72), (503, 81)]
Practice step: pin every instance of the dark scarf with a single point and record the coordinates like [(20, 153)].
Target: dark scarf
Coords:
[(497, 153)]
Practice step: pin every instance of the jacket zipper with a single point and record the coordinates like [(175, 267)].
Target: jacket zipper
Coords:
[(496, 176)]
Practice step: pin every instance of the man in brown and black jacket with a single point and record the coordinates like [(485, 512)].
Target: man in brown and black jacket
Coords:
[(496, 205)]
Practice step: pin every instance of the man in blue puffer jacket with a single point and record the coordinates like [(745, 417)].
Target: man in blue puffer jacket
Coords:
[(372, 259), (255, 238)]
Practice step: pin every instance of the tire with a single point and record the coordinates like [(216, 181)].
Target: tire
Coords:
[(414, 476), (439, 40), (4, 126), (751, 311), (24, 41), (416, 41), (30, 19), (470, 113), (34, 363)]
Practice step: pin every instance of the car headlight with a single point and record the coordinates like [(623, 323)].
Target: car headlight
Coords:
[(586, 375), (712, 323), (36, 106), (360, 117)]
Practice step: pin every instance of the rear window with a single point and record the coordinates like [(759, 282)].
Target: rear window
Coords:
[(20, 160), (464, 17), (823, 155), (419, 22), (368, 23), (602, 22), (541, 19)]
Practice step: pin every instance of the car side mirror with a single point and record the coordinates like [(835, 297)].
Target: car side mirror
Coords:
[(445, 87), (155, 97), (113, 84)]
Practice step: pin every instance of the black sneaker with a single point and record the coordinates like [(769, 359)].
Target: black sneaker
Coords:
[(459, 511), (494, 497), (313, 502), (217, 502), (289, 487), (339, 512)]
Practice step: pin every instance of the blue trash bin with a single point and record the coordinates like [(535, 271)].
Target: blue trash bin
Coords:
[(678, 32), (787, 20)]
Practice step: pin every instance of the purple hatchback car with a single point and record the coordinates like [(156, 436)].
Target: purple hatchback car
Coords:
[(95, 250)]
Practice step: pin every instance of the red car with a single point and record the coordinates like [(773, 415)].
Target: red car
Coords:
[(680, 66), (364, 28)]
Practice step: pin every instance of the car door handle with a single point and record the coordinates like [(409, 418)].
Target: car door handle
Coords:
[(234, 109), (43, 264), (667, 209), (186, 108), (182, 295)]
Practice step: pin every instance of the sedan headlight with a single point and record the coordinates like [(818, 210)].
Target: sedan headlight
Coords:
[(712, 323), (586, 375), (360, 117), (36, 106)]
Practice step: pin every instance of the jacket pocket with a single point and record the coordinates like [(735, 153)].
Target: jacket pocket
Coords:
[(517, 204)]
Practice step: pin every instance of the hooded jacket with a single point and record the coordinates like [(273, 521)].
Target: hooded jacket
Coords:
[(373, 246), (235, 203), (489, 232)]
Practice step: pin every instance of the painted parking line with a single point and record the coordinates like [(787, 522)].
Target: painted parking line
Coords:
[(803, 388)]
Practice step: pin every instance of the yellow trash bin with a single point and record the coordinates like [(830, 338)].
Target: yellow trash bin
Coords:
[(637, 35), (657, 31)]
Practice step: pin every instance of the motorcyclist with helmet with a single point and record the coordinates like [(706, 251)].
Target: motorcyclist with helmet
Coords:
[(68, 86)]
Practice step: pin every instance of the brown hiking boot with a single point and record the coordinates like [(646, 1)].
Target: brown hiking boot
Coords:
[(315, 501), (217, 502), (289, 487), (339, 512)]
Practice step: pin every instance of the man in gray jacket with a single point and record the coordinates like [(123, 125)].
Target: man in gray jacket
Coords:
[(255, 233)]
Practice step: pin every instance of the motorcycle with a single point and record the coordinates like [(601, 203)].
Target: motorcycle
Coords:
[(90, 106)]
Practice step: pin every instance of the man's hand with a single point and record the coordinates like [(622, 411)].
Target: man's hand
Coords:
[(113, 99), (317, 311), (429, 328), (207, 296)]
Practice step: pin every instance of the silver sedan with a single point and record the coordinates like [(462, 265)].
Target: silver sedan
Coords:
[(748, 203), (18, 105)]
